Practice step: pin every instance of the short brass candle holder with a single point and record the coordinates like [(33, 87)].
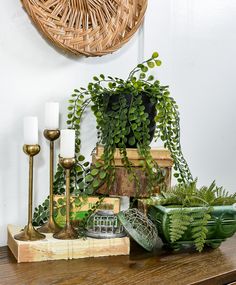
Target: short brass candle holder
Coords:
[(29, 232), (51, 226), (68, 232)]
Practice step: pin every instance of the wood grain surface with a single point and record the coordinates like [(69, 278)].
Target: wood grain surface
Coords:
[(56, 249), (123, 186), (212, 267)]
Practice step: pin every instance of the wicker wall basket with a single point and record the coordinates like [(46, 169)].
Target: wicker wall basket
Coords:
[(87, 27)]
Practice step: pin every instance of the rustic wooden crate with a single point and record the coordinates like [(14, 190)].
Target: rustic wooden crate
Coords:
[(122, 185), (55, 249), (77, 213)]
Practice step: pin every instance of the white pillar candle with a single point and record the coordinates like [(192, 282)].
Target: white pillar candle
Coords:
[(67, 143), (51, 115), (30, 130)]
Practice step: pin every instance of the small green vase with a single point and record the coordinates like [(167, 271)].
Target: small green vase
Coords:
[(222, 225)]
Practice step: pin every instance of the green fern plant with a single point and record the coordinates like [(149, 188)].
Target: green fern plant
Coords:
[(189, 195), (192, 209)]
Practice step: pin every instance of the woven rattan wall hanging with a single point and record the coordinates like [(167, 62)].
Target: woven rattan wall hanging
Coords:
[(88, 27)]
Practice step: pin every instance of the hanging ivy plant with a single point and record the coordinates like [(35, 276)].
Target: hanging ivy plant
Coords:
[(129, 113)]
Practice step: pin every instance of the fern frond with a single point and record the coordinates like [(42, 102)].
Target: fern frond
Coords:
[(199, 230), (222, 197), (179, 222)]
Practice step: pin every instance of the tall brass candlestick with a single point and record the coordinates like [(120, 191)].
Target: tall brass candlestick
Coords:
[(68, 232), (51, 226), (29, 232)]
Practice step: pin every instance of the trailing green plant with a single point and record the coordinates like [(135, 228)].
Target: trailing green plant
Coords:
[(185, 200), (123, 120), (41, 213)]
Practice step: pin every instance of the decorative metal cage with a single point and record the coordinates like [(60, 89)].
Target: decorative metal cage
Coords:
[(104, 224), (139, 227)]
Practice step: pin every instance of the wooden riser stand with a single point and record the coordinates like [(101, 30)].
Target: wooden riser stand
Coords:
[(54, 249)]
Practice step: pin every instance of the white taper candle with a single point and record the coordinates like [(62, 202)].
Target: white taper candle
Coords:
[(51, 115), (30, 130), (67, 143)]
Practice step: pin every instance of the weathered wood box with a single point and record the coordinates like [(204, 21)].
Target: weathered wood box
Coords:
[(80, 206), (122, 185), (54, 249)]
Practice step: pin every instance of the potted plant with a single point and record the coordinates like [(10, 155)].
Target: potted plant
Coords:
[(185, 214), (129, 113)]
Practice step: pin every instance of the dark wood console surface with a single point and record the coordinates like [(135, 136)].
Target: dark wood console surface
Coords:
[(212, 267)]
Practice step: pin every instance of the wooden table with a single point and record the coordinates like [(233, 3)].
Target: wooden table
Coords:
[(162, 268)]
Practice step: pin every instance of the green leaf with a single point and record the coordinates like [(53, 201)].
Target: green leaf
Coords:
[(60, 201), (140, 65), (155, 55), (142, 75), (110, 85), (102, 174), (96, 183), (89, 190), (151, 64), (77, 201), (158, 62), (98, 164), (150, 78), (95, 78), (89, 178), (81, 158), (79, 169), (81, 185), (94, 172), (144, 69), (132, 141)]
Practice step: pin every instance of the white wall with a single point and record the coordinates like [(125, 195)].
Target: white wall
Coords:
[(196, 41)]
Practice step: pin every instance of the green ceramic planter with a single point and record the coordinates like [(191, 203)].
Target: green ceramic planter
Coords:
[(222, 225)]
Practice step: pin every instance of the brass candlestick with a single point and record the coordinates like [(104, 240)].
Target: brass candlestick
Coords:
[(51, 226), (68, 232), (29, 232)]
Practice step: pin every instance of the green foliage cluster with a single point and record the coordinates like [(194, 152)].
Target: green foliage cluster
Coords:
[(182, 219), (41, 213), (122, 120), (186, 198), (188, 195)]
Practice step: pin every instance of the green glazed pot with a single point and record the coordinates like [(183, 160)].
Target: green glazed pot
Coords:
[(222, 225)]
